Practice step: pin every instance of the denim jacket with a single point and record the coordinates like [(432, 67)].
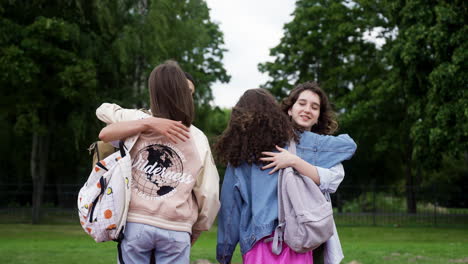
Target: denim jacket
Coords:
[(249, 202)]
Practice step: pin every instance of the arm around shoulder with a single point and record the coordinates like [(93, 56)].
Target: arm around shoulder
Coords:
[(123, 123), (113, 113), (121, 130)]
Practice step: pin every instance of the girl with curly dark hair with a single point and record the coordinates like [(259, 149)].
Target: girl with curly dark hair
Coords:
[(309, 108), (256, 124), (249, 202)]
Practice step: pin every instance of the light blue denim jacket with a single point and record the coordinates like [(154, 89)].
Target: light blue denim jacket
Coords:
[(249, 202)]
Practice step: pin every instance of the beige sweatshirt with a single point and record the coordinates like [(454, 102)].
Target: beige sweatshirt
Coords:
[(175, 186)]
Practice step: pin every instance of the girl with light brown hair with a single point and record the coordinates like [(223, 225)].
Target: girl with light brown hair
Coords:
[(175, 183)]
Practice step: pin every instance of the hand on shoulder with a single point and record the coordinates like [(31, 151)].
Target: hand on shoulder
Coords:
[(173, 130)]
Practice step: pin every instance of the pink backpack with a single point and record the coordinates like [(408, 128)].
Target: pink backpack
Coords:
[(304, 214), (104, 199)]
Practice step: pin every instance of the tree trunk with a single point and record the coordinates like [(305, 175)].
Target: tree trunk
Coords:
[(410, 190), (39, 158)]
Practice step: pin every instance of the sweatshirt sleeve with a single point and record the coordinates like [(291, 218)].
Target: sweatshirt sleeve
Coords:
[(113, 113), (229, 217), (206, 190)]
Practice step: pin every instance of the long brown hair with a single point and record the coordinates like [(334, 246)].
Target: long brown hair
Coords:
[(326, 123), (169, 93), (257, 124)]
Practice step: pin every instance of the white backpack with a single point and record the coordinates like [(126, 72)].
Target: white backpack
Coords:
[(104, 199)]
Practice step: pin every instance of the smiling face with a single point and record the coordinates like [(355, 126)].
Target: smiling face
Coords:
[(306, 110)]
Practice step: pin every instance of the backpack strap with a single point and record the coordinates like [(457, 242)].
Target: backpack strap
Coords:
[(121, 148), (93, 148), (277, 245)]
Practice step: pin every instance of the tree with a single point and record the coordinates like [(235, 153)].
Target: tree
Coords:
[(61, 59), (326, 42), (179, 30), (41, 61), (388, 97), (427, 78)]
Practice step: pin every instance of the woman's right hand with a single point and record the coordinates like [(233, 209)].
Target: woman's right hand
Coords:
[(283, 158), (173, 130), (278, 160)]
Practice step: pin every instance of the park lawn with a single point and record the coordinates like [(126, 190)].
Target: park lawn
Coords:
[(21, 243), (404, 245)]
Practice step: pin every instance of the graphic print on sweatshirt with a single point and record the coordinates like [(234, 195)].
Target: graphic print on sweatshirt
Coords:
[(157, 170)]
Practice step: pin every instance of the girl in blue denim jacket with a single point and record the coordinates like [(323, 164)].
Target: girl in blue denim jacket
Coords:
[(249, 199)]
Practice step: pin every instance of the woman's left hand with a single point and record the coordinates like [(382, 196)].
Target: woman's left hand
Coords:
[(279, 160)]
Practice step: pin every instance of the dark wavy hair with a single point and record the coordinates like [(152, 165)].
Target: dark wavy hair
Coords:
[(257, 124), (169, 93), (326, 123)]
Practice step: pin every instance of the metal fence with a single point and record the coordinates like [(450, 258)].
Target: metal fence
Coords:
[(353, 205), (387, 205)]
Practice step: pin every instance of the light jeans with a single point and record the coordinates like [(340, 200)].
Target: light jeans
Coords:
[(139, 240)]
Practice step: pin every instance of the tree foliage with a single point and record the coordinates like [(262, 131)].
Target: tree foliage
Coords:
[(324, 43), (60, 59), (404, 102)]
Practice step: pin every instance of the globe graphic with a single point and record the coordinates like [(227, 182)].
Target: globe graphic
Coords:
[(154, 170)]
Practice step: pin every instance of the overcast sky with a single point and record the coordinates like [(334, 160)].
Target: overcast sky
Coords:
[(251, 29)]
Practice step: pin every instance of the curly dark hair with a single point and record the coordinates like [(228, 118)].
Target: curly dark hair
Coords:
[(326, 123), (257, 124)]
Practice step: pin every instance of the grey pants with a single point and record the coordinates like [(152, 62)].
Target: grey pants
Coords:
[(140, 240)]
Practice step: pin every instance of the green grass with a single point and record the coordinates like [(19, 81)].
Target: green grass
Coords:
[(23, 243), (404, 245), (55, 216)]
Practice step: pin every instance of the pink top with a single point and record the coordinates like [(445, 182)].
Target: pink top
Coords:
[(261, 253)]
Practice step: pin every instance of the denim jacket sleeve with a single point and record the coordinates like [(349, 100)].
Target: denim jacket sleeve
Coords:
[(335, 149), (229, 217), (325, 151)]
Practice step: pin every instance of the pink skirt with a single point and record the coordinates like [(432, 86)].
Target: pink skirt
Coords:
[(261, 253)]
